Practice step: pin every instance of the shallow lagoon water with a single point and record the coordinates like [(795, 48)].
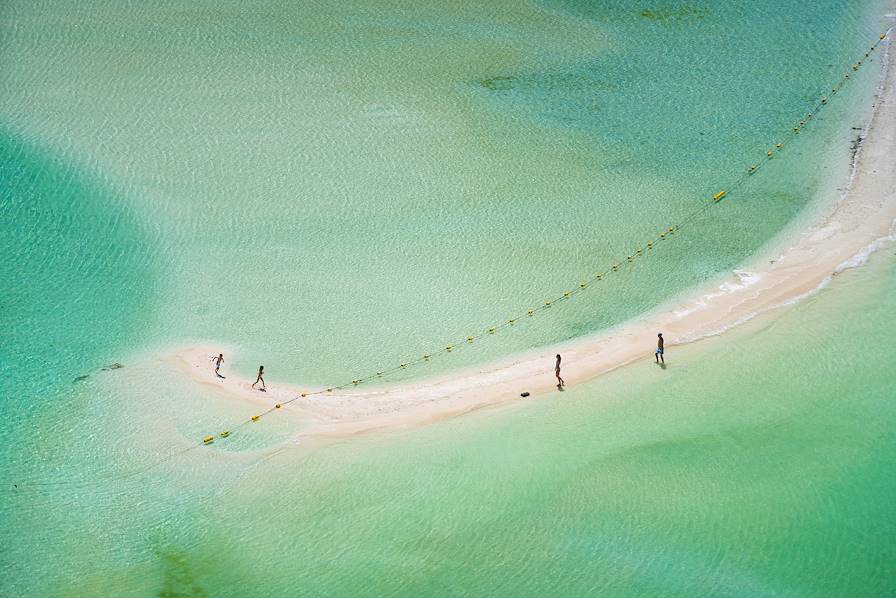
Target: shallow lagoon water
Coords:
[(724, 473), (344, 189), (334, 189)]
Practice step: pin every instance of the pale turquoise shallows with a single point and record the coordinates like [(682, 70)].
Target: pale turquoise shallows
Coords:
[(334, 188), (759, 464), (337, 188)]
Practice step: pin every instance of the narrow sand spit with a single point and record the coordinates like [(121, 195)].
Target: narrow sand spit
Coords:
[(842, 236)]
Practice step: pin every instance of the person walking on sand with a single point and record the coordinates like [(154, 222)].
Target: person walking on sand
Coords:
[(218, 361), (560, 381), (260, 378), (659, 349)]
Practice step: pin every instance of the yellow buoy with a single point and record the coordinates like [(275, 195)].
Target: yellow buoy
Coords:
[(425, 357), (491, 330), (547, 303), (511, 322), (582, 285), (600, 275), (208, 440), (277, 406), (649, 244), (304, 395), (720, 195), (530, 312), (448, 348), (469, 339), (671, 229), (404, 365), (662, 235), (255, 418), (566, 293), (769, 153), (752, 169), (615, 267), (778, 146), (225, 434)]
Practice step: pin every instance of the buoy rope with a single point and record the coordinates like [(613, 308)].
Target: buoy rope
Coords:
[(724, 193), (708, 203)]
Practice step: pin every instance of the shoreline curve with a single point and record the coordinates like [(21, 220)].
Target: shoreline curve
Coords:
[(841, 235)]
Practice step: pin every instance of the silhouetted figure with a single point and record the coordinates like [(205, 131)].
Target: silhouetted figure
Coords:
[(560, 381), (260, 378)]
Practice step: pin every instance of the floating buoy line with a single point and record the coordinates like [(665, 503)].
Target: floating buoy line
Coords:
[(637, 252), (649, 246)]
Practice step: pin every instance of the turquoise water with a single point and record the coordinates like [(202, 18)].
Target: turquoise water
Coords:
[(724, 474), (68, 242), (348, 188), (336, 189)]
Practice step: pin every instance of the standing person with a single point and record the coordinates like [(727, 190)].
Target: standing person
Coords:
[(659, 349), (218, 361), (557, 372), (260, 378)]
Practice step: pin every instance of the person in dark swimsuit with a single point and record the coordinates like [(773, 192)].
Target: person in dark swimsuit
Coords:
[(260, 378), (218, 361), (659, 348), (560, 381)]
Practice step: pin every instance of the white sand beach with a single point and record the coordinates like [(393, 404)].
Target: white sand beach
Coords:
[(859, 220)]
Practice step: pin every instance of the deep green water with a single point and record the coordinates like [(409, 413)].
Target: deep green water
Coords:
[(337, 188)]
